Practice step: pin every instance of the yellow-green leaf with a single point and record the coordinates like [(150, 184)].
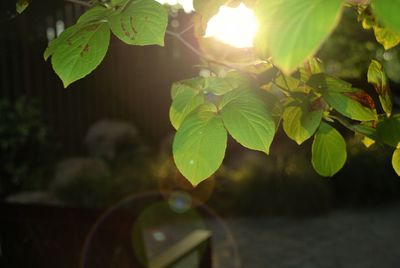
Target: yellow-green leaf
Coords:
[(292, 31), (388, 12), (300, 122), (328, 151), (396, 161), (351, 102), (247, 119), (378, 78), (386, 37), (200, 144), (186, 99)]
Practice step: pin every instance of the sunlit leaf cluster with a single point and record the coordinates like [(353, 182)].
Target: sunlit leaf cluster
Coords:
[(284, 86)]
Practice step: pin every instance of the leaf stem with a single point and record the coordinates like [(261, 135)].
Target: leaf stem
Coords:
[(186, 29), (343, 122)]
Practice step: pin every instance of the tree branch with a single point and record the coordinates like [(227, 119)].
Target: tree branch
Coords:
[(179, 37)]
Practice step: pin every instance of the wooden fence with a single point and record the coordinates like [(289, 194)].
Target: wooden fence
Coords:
[(131, 84)]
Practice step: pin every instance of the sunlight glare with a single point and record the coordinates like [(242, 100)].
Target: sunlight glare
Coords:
[(233, 26), (187, 5)]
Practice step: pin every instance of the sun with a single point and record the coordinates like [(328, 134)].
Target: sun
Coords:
[(233, 26)]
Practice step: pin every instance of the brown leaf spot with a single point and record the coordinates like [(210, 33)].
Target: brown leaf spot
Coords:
[(318, 104), (363, 98), (85, 49), (132, 26)]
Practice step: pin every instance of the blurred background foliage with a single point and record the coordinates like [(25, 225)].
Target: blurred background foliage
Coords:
[(27, 147), (350, 49)]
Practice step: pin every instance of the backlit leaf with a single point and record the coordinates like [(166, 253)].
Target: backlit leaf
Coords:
[(386, 37), (141, 22), (200, 144), (247, 119), (328, 151), (378, 78), (388, 12), (300, 122), (292, 31), (351, 102), (217, 85), (186, 99), (396, 161)]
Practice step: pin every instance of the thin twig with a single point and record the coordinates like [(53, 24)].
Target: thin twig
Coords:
[(187, 29), (237, 67), (80, 2), (197, 52)]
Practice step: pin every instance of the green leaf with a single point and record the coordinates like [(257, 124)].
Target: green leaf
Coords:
[(247, 119), (312, 66), (185, 100), (386, 37), (321, 81), (351, 102), (118, 2), (196, 84), (328, 151), (350, 105), (55, 43), (79, 50), (292, 31), (95, 14), (365, 130), (200, 144), (300, 122), (377, 77), (21, 5), (396, 161), (217, 85), (141, 22), (388, 12), (288, 83), (389, 130)]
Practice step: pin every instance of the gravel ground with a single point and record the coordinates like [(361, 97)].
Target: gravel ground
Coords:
[(342, 239)]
